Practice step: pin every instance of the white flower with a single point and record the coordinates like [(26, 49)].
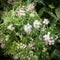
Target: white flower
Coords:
[(51, 42), (31, 45), (21, 12), (21, 46), (27, 28), (31, 7), (48, 40), (36, 24), (11, 27), (47, 36), (46, 21)]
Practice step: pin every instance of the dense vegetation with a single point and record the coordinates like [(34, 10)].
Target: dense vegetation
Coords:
[(30, 29)]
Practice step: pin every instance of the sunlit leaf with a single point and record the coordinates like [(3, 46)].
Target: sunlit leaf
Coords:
[(51, 6), (57, 11)]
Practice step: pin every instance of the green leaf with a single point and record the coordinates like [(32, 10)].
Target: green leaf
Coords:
[(51, 6), (40, 1), (56, 54), (52, 14), (41, 11), (58, 40), (57, 11)]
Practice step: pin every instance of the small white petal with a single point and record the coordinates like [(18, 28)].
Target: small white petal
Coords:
[(21, 12), (48, 39), (31, 7), (36, 24), (10, 27), (27, 28), (46, 21)]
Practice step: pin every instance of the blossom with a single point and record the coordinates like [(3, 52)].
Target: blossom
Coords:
[(21, 46), (27, 28), (21, 12), (36, 24), (48, 40), (46, 21), (31, 45), (51, 42), (11, 27), (31, 7), (47, 36)]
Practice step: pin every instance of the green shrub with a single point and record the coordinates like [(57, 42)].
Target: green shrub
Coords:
[(29, 33)]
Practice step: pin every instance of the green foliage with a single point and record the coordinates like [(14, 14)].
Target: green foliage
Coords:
[(30, 29)]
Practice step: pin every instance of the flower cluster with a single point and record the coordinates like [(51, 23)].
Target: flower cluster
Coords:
[(31, 7), (27, 28), (36, 24), (21, 46), (30, 35), (31, 45), (48, 40), (46, 21), (11, 27), (21, 12)]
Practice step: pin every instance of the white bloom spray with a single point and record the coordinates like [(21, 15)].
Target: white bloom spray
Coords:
[(27, 28), (36, 24)]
